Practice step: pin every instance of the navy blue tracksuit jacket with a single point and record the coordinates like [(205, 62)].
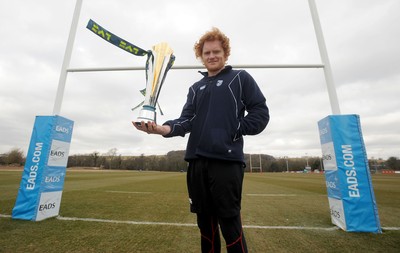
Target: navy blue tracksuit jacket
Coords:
[(214, 114)]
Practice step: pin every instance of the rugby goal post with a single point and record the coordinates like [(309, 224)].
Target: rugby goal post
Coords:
[(352, 218)]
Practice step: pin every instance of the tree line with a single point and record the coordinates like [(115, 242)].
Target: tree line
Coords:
[(173, 161)]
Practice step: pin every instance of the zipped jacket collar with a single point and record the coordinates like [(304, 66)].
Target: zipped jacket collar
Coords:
[(227, 68)]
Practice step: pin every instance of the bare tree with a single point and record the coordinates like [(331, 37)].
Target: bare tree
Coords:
[(95, 156), (15, 156), (111, 154)]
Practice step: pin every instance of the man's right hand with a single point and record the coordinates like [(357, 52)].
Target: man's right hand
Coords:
[(152, 128)]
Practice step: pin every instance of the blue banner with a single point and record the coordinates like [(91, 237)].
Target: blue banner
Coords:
[(349, 185), (39, 194)]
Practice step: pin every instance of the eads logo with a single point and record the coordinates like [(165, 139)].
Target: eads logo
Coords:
[(47, 206), (57, 153), (62, 129)]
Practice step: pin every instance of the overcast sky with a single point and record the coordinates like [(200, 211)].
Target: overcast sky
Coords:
[(362, 38)]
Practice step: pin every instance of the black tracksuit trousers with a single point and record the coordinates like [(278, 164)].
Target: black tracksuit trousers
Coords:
[(215, 189)]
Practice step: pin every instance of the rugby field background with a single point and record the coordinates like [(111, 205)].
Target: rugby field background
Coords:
[(131, 211)]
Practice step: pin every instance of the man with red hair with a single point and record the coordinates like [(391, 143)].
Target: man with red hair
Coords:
[(214, 115)]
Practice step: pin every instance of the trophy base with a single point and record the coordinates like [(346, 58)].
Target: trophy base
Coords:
[(146, 114)]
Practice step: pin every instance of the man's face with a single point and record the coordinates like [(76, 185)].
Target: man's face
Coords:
[(213, 56)]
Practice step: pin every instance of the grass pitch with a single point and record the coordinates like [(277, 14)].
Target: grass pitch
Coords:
[(129, 211)]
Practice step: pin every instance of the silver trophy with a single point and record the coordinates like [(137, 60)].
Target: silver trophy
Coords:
[(160, 60)]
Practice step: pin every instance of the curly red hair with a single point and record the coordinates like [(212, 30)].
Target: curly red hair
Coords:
[(214, 34)]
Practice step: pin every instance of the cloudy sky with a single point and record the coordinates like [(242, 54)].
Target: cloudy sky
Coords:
[(362, 38)]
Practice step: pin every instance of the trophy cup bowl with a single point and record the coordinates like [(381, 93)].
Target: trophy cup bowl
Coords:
[(159, 61)]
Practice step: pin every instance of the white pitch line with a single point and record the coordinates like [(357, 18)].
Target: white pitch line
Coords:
[(190, 224), (390, 228), (270, 195), (129, 192), (129, 222), (291, 227), (176, 224)]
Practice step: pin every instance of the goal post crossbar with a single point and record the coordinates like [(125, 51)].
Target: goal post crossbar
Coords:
[(251, 66)]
